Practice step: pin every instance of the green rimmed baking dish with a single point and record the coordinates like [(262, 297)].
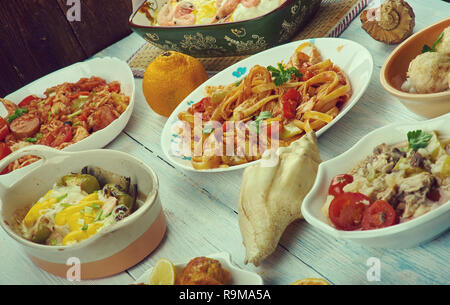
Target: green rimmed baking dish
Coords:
[(233, 38)]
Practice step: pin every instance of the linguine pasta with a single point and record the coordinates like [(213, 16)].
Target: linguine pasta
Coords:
[(268, 108)]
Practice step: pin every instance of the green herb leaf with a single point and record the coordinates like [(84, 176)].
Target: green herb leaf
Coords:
[(84, 227), (427, 48), (19, 112), (418, 139), (39, 135), (207, 129), (282, 75), (256, 124), (98, 216), (96, 206), (31, 140)]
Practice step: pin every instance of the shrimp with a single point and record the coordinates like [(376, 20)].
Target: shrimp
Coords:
[(183, 14), (227, 8), (165, 15), (250, 3)]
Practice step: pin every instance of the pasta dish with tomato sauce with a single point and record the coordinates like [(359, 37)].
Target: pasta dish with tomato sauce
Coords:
[(66, 114), (282, 103)]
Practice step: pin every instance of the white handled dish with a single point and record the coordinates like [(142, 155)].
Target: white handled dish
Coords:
[(404, 235), (238, 276), (110, 69), (113, 249), (351, 57)]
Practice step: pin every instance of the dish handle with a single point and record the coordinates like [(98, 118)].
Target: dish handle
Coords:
[(41, 151)]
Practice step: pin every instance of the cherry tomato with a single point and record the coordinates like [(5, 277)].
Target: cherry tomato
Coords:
[(379, 214), (4, 129), (337, 184), (347, 209), (26, 101), (289, 100)]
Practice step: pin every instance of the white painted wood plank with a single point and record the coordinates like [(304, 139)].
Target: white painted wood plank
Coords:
[(201, 209), (199, 224)]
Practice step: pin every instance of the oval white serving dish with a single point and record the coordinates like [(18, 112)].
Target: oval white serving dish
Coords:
[(108, 68), (351, 57), (113, 249), (405, 235), (238, 276)]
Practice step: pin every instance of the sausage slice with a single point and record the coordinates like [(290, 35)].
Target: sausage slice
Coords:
[(25, 126)]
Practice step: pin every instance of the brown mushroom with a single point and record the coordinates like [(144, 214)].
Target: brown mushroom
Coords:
[(390, 23)]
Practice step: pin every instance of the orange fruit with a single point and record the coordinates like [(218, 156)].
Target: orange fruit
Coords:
[(310, 281), (169, 79)]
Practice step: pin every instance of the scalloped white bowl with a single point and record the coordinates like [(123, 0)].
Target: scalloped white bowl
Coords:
[(108, 68), (405, 235), (238, 276)]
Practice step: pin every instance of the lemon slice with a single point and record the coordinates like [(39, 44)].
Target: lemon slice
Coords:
[(310, 281), (163, 273)]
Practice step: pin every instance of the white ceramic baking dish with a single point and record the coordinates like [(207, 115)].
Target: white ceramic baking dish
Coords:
[(108, 68), (405, 235), (110, 251)]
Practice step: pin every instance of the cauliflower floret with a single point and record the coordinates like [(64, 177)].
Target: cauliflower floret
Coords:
[(428, 72), (443, 46)]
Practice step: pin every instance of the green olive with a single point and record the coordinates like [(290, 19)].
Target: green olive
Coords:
[(122, 197), (88, 183), (126, 200), (41, 234)]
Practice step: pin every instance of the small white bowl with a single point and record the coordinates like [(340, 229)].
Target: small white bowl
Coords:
[(113, 249), (405, 235), (237, 275)]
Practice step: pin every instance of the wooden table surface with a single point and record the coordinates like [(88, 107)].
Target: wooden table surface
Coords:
[(201, 209)]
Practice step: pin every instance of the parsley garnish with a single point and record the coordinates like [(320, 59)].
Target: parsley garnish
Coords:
[(19, 112), (207, 129), (418, 139), (256, 124), (427, 48), (282, 75)]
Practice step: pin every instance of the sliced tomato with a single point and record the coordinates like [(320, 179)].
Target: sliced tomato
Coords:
[(201, 106), (337, 184), (61, 135), (4, 150), (347, 209), (26, 101), (4, 129), (289, 100), (306, 74), (114, 87), (379, 214)]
